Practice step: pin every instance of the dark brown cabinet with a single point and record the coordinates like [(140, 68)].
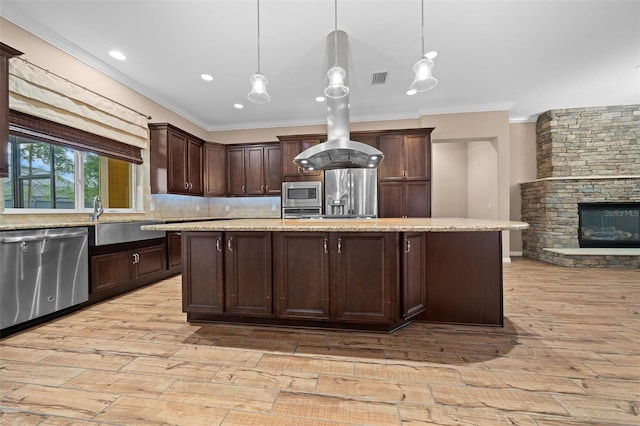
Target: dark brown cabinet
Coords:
[(227, 273), (301, 275), (174, 251), (406, 156), (414, 274), (342, 277), (215, 170), (247, 282), (122, 268), (290, 147), (404, 199), (176, 161), (6, 53), (254, 169), (203, 272)]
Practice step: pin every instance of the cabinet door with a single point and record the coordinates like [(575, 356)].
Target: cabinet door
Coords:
[(194, 164), (174, 249), (150, 260), (392, 166), (272, 170), (414, 274), (111, 270), (289, 150), (301, 275), (235, 171), (390, 197), (416, 154), (177, 158), (417, 198), (254, 170), (364, 267), (248, 277), (215, 170), (202, 276)]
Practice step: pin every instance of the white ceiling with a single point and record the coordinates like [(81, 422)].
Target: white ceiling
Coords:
[(523, 56)]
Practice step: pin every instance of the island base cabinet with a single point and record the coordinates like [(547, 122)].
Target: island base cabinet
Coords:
[(202, 272), (301, 275), (248, 268), (336, 277), (414, 274), (363, 273), (464, 275)]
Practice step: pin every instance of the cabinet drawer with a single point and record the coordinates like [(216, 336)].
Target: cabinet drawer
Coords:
[(111, 270)]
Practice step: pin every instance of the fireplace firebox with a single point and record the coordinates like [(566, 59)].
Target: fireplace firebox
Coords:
[(609, 224)]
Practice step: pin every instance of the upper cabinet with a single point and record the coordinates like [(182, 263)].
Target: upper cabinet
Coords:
[(290, 147), (215, 170), (254, 169), (407, 156), (176, 161), (6, 53)]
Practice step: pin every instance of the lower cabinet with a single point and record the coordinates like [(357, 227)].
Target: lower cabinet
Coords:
[(174, 251), (414, 274), (341, 277), (227, 273), (122, 270)]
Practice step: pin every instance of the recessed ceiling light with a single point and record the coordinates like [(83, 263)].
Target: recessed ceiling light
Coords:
[(117, 55), (238, 106), (206, 77), (320, 99)]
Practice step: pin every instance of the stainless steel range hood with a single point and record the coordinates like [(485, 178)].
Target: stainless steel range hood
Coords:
[(338, 151)]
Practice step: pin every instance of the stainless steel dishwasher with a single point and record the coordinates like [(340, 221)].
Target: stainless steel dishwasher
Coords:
[(42, 271)]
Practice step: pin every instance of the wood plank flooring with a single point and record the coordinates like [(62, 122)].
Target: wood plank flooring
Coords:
[(569, 354)]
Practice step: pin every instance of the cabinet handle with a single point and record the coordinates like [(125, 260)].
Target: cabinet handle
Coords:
[(219, 244), (229, 244), (266, 188), (408, 250), (261, 188), (190, 186), (186, 185), (136, 258), (326, 248), (339, 245), (243, 189)]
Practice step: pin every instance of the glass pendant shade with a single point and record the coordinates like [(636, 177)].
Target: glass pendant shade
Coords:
[(258, 92), (336, 88), (424, 80)]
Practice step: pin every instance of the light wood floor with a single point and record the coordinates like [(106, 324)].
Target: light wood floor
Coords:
[(569, 354)]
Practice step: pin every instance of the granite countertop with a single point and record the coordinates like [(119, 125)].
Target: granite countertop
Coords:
[(345, 225)]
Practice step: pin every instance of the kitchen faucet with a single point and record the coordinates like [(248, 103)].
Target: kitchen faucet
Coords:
[(97, 208)]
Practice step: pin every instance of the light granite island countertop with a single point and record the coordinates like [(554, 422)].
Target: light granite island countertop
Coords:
[(367, 274), (345, 225)]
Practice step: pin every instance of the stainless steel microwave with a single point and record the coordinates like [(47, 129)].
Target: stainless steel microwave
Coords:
[(302, 194)]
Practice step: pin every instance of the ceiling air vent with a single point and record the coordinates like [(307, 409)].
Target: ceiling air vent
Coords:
[(379, 78)]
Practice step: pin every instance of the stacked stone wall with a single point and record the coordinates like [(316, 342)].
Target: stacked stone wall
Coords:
[(573, 144)]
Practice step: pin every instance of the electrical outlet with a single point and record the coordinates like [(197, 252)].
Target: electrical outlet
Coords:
[(227, 208), (152, 207), (274, 207), (197, 208)]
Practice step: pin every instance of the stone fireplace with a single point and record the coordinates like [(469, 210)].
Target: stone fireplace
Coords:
[(584, 156)]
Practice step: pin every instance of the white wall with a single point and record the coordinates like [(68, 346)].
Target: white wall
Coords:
[(482, 180)]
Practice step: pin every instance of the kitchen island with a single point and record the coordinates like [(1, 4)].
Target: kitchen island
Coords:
[(367, 274)]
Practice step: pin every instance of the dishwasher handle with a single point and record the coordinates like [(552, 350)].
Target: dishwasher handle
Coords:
[(29, 238)]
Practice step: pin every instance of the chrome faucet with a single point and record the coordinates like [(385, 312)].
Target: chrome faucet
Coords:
[(97, 208)]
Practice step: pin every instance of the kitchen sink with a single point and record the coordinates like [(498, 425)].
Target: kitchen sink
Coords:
[(122, 232)]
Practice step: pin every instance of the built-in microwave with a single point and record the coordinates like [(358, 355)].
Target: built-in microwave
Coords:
[(302, 194)]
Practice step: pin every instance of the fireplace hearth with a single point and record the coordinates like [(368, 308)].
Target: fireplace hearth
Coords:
[(609, 224)]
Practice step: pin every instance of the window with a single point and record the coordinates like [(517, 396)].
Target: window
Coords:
[(46, 176)]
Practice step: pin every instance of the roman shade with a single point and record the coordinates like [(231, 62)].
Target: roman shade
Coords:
[(39, 93)]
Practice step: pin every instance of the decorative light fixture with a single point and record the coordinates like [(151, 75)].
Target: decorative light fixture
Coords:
[(258, 81), (336, 74), (423, 80)]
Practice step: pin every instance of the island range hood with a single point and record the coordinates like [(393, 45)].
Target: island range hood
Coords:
[(338, 152)]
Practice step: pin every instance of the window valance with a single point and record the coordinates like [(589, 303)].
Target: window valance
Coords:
[(39, 93)]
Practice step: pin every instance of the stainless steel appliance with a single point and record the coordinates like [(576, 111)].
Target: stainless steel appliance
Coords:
[(41, 271), (301, 199), (351, 193)]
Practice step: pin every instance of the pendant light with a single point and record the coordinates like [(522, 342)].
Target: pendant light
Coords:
[(423, 80), (258, 81), (336, 74)]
